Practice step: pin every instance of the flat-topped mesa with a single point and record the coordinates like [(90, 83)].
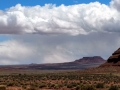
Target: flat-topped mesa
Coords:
[(113, 60), (89, 60)]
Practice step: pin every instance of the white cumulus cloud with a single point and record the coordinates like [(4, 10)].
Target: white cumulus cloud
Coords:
[(115, 4), (52, 19)]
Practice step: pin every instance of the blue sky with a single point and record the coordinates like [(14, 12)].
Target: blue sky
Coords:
[(4, 38), (8, 3)]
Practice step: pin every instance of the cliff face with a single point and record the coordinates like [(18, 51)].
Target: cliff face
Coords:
[(113, 60)]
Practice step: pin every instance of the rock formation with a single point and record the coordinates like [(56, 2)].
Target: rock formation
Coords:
[(113, 60), (90, 60)]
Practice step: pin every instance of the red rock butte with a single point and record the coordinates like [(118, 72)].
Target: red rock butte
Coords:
[(113, 60)]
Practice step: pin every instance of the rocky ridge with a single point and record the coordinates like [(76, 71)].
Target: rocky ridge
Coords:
[(113, 60)]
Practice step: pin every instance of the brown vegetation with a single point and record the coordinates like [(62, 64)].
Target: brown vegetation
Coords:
[(74, 80)]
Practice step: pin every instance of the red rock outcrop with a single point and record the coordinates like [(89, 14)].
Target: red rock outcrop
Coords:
[(113, 60)]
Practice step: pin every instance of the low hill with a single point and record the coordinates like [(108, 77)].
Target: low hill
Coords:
[(81, 64), (90, 60)]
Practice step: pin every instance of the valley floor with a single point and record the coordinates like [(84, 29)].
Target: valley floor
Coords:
[(91, 79)]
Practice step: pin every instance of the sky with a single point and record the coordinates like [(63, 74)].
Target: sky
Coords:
[(52, 31), (7, 3)]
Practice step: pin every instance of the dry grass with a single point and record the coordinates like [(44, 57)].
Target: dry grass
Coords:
[(14, 88), (63, 80)]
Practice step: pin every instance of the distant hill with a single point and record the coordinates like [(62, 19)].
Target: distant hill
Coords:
[(81, 64), (90, 60)]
